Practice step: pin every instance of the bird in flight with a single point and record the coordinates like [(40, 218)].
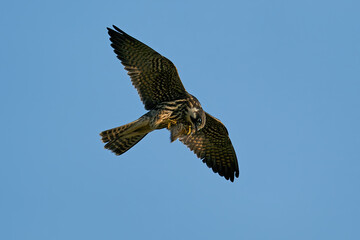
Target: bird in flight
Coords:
[(169, 106)]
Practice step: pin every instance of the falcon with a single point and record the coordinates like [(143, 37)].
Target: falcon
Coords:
[(169, 106)]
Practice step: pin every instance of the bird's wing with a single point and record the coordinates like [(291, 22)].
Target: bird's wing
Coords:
[(154, 76), (212, 144)]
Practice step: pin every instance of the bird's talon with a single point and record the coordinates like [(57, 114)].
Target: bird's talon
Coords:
[(189, 130), (171, 122)]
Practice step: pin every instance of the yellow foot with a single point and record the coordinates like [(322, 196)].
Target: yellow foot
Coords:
[(188, 133), (171, 122)]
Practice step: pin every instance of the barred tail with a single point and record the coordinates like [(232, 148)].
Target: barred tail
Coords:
[(121, 139)]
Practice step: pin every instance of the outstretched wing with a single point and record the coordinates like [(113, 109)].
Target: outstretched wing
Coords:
[(154, 76), (212, 144)]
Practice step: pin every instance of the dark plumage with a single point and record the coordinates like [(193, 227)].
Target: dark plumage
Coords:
[(170, 106)]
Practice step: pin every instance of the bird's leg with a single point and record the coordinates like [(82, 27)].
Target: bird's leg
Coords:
[(171, 122), (189, 131)]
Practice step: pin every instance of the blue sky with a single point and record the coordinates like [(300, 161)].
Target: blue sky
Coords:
[(284, 77)]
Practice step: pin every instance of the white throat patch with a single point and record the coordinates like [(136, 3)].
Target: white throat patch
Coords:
[(193, 111)]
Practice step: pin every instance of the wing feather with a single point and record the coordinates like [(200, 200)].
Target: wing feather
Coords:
[(154, 76), (213, 145)]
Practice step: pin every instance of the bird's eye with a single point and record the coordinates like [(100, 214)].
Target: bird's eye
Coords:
[(199, 121)]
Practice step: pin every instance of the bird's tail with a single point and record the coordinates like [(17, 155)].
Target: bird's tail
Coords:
[(121, 139)]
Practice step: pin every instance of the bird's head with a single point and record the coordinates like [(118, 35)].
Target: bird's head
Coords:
[(198, 118), (197, 115)]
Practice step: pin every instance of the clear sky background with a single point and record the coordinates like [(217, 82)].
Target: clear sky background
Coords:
[(283, 76)]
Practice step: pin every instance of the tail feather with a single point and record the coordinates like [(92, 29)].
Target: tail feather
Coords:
[(121, 145), (121, 139), (111, 134)]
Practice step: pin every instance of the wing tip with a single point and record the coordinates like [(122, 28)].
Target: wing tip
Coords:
[(115, 30), (228, 174)]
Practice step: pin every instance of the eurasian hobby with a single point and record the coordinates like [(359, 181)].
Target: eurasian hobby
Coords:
[(170, 106)]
